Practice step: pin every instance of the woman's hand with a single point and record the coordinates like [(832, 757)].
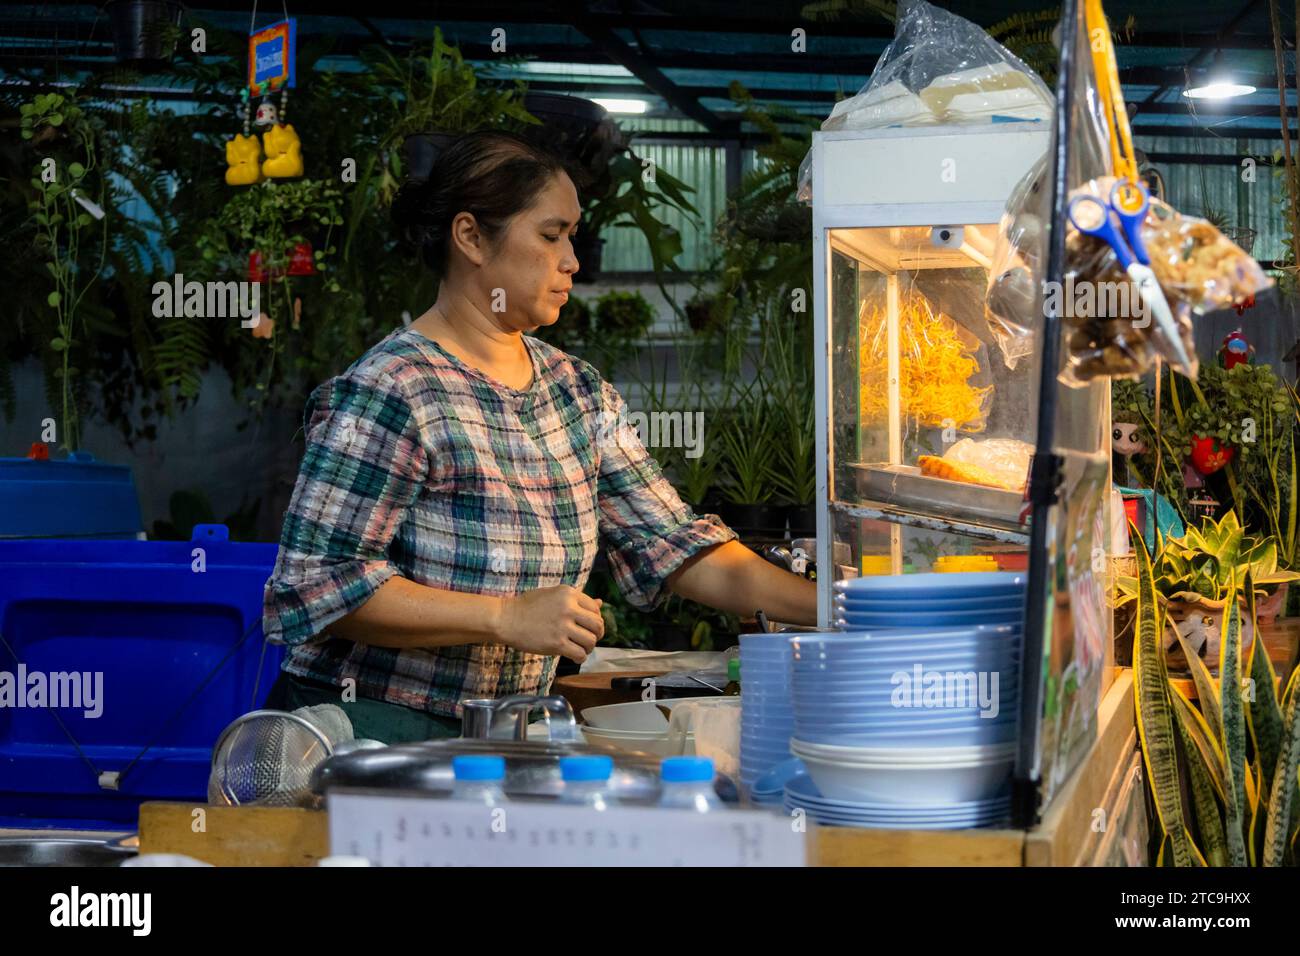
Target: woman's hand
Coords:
[(559, 620)]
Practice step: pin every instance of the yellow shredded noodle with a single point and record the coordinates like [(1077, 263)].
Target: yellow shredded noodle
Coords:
[(935, 366)]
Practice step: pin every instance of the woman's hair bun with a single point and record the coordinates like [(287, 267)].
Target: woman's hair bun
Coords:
[(491, 174)]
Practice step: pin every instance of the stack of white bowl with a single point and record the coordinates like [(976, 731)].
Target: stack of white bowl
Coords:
[(767, 712), (912, 723)]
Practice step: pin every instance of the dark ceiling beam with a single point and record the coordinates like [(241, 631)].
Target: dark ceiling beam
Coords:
[(642, 68), (541, 14), (373, 30), (856, 67)]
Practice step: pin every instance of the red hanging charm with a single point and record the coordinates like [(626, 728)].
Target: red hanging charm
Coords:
[(1209, 455)]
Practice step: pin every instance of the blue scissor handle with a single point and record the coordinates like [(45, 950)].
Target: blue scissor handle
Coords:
[(1103, 229), (1131, 220)]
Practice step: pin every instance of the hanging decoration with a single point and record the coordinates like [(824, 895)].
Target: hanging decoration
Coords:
[(271, 69), (1235, 350)]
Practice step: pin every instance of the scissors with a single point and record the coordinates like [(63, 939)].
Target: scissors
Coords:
[(1093, 217)]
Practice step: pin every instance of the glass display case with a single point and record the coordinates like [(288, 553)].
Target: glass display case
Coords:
[(926, 430)]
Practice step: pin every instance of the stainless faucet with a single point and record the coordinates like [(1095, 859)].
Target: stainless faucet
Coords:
[(506, 718)]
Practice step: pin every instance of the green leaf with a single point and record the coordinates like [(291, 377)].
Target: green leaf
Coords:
[(1155, 720), (1264, 714), (1280, 804), (1200, 738), (58, 344), (1208, 821), (1234, 729), (54, 299), (1206, 692), (76, 170), (55, 119)]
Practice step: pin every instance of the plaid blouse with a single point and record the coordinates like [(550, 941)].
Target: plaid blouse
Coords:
[(421, 466)]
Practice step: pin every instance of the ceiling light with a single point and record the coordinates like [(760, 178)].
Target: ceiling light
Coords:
[(621, 106), (1218, 90)]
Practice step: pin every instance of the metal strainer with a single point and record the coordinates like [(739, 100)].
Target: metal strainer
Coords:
[(266, 757)]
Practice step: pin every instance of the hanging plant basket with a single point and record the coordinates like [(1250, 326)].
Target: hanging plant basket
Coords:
[(301, 263), (568, 124), (139, 29)]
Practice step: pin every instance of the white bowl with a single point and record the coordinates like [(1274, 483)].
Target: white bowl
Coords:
[(637, 715), (909, 782), (660, 745), (930, 756)]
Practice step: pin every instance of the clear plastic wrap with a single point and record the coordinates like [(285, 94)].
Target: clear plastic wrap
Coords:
[(939, 70), (1005, 458), (1108, 330), (942, 70)]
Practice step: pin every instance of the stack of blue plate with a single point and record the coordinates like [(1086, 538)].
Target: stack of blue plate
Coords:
[(951, 687), (767, 711), (930, 600), (801, 794)]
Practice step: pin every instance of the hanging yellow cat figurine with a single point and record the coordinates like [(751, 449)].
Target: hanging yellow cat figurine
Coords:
[(283, 152), (242, 155)]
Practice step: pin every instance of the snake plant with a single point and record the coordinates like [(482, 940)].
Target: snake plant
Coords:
[(1203, 562), (1237, 755)]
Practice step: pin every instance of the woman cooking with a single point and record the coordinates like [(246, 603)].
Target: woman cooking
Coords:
[(459, 477)]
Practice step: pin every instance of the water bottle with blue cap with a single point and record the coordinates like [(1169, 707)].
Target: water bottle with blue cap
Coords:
[(586, 781), (687, 784), (479, 778)]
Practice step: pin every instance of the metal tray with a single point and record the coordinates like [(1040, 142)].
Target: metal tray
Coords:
[(532, 769), (905, 487)]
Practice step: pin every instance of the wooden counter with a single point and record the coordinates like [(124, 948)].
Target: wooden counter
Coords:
[(1069, 834)]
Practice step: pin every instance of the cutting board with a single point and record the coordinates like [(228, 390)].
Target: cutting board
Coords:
[(593, 690)]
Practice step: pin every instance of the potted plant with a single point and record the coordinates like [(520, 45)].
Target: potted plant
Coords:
[(619, 322), (274, 223), (578, 129), (706, 312), (748, 439), (1198, 575), (1222, 772), (71, 233), (1220, 415)]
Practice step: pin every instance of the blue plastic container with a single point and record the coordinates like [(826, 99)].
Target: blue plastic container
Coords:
[(76, 497), (154, 627)]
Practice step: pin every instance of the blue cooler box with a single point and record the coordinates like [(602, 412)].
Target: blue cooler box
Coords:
[(73, 497), (140, 619)]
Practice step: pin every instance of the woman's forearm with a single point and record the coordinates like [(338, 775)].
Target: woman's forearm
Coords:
[(733, 578), (402, 613)]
